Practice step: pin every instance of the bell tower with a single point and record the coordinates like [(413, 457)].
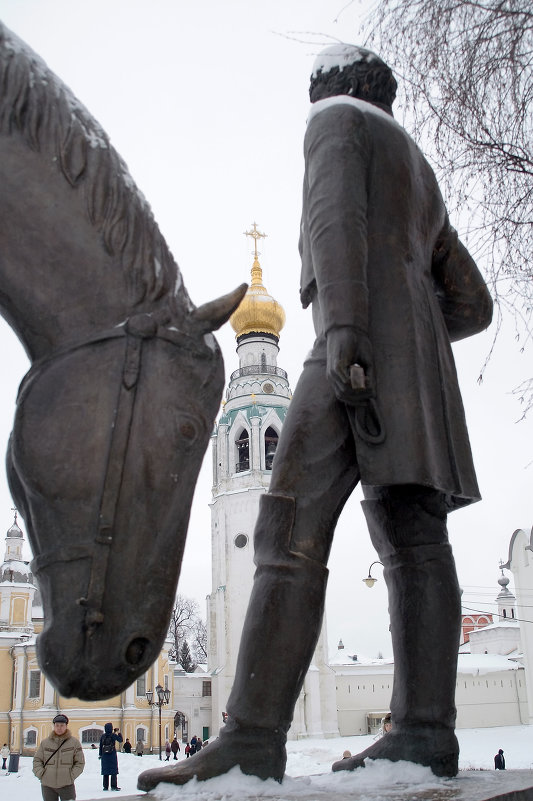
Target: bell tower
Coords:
[(244, 446), (17, 589)]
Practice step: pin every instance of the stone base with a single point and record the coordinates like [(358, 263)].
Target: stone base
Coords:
[(469, 785)]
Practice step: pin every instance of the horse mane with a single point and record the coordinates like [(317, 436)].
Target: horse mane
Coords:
[(51, 121)]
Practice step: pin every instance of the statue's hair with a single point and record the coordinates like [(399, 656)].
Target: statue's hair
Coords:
[(368, 80), (34, 102)]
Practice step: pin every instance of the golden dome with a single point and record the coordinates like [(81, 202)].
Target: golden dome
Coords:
[(258, 311)]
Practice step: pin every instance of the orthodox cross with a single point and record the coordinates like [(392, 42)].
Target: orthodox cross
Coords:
[(255, 234)]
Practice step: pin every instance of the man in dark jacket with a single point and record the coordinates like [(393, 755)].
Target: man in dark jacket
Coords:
[(108, 755), (175, 746), (378, 402), (499, 761)]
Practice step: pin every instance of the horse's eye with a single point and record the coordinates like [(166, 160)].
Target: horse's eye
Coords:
[(188, 430)]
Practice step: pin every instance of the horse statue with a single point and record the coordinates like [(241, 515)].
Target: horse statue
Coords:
[(115, 414)]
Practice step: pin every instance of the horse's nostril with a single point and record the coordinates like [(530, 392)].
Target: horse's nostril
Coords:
[(135, 650)]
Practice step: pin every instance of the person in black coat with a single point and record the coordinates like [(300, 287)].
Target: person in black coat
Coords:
[(108, 755), (499, 761)]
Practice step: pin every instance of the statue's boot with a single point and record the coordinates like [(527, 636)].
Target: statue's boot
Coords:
[(425, 608), (280, 633)]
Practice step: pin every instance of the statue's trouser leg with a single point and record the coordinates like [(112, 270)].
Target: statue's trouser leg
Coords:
[(280, 633), (408, 529), (315, 470)]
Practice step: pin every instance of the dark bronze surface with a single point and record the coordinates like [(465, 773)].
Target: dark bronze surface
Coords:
[(117, 409)]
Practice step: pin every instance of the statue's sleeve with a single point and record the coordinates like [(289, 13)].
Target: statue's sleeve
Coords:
[(462, 293), (336, 163)]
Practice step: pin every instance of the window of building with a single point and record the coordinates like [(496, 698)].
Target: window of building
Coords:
[(35, 684), (206, 689), (89, 736), (240, 541), (141, 686), (243, 452), (271, 443), (30, 737), (141, 735)]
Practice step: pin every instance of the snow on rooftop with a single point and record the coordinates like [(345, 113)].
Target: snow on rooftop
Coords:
[(17, 566), (475, 664), (341, 55), (507, 623), (480, 664)]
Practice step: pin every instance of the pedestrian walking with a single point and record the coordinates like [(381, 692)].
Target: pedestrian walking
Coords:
[(127, 747), (108, 755), (4, 753), (499, 761), (175, 746), (168, 750), (58, 762)]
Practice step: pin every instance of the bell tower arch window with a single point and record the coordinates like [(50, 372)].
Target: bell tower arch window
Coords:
[(243, 452), (271, 444)]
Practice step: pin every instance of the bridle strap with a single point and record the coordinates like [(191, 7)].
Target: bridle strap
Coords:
[(137, 329)]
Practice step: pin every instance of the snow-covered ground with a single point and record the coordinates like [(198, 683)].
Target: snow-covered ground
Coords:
[(306, 758)]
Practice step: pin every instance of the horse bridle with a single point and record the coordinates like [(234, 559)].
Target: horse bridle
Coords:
[(136, 329)]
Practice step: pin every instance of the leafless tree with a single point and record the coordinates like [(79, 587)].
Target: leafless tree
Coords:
[(465, 77), (199, 641), (183, 622)]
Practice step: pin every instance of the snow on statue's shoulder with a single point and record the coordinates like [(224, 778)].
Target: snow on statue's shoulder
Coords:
[(345, 100)]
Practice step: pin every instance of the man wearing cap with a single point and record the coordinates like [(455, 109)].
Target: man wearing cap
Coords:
[(378, 402), (58, 762)]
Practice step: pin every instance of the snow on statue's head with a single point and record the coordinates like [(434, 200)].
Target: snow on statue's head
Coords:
[(344, 69)]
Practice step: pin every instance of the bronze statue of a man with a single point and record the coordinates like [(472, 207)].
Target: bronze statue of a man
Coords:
[(378, 401)]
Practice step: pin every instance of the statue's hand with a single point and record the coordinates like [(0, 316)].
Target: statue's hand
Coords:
[(346, 347)]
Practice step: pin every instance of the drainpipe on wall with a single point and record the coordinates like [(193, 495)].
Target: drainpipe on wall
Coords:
[(10, 722), (122, 702), (23, 699)]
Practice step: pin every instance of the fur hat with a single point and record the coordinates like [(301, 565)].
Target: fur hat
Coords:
[(60, 719)]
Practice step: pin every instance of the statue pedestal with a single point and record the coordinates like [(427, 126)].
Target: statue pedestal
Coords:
[(474, 785)]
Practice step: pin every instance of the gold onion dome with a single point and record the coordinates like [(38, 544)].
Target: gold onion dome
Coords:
[(258, 312)]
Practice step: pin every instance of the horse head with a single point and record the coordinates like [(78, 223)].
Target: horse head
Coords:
[(116, 412)]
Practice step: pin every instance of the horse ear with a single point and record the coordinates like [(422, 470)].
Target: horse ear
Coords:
[(210, 316)]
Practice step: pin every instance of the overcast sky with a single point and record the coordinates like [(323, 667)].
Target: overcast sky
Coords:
[(207, 104)]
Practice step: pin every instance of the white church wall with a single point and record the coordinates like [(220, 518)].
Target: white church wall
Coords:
[(496, 638), (191, 700), (490, 691), (360, 694), (521, 564), (494, 699)]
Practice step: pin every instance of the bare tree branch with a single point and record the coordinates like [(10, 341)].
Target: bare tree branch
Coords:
[(466, 84)]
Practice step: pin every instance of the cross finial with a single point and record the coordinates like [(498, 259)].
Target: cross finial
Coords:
[(255, 234), (14, 509)]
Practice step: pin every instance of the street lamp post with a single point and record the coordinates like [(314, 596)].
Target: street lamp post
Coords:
[(163, 697)]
